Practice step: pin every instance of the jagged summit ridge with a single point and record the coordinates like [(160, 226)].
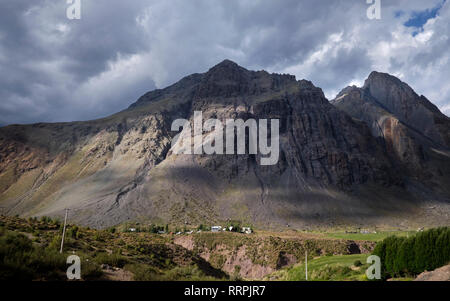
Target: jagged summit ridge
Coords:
[(227, 65), (224, 80), (230, 79)]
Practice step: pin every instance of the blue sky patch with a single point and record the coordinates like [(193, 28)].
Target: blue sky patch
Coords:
[(419, 18)]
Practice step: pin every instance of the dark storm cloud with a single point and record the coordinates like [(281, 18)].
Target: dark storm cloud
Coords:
[(55, 69), (104, 31), (47, 60)]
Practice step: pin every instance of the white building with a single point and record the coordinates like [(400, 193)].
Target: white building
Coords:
[(246, 230), (216, 228)]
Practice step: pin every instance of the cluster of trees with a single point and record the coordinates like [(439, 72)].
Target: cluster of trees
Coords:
[(73, 232), (156, 228), (236, 226), (410, 256), (152, 228), (46, 220), (202, 227)]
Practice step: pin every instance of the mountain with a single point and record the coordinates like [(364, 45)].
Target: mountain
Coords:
[(335, 167), (414, 132)]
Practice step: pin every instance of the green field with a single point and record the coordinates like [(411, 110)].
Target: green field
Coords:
[(379, 236), (326, 268)]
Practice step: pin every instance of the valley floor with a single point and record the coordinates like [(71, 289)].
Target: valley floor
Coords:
[(30, 251)]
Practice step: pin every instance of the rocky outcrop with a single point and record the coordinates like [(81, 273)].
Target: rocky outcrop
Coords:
[(413, 110), (396, 137), (440, 274), (332, 170), (412, 130)]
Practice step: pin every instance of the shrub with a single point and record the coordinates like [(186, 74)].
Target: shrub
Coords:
[(73, 232), (180, 273), (329, 273), (203, 228), (55, 243), (114, 260), (100, 236), (357, 263), (143, 272), (236, 226), (90, 270), (20, 260), (46, 219)]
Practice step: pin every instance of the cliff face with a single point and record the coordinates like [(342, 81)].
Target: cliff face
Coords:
[(414, 133), (332, 169), (413, 110)]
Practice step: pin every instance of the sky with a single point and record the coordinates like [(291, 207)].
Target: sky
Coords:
[(56, 69)]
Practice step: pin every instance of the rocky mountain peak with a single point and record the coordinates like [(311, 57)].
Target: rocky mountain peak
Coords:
[(346, 91), (228, 79), (226, 70), (389, 90), (393, 111), (379, 82), (399, 99), (123, 167), (381, 76), (226, 64), (391, 93)]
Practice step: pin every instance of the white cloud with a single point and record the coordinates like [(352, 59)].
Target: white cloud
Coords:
[(60, 70)]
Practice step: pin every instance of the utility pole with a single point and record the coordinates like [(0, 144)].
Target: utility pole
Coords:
[(64, 231), (306, 265)]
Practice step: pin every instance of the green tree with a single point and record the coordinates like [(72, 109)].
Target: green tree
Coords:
[(427, 250)]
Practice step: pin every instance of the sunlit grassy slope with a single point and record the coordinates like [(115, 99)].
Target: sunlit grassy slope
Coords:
[(330, 268), (369, 236)]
